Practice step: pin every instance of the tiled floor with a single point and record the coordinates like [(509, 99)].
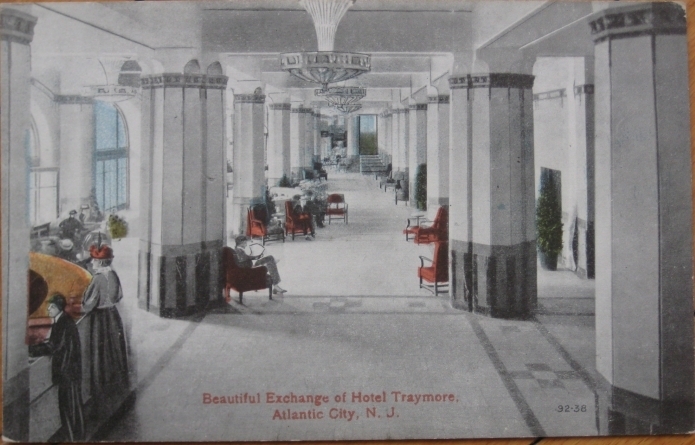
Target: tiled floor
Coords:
[(355, 321)]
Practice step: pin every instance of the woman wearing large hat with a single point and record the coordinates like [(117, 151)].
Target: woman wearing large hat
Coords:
[(109, 358)]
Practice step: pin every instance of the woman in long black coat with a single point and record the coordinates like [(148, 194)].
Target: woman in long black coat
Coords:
[(109, 364), (63, 345)]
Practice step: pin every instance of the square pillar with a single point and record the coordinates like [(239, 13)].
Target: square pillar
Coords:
[(437, 152), (644, 305), (417, 144), (491, 229), (16, 34), (297, 139), (182, 202), (77, 144), (278, 142)]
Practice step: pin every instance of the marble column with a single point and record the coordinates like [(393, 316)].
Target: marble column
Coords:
[(16, 34), (316, 120), (388, 140), (380, 132), (644, 294), (403, 133), (417, 144), (353, 148), (491, 228), (309, 138), (249, 177), (77, 146), (182, 203), (278, 142), (437, 152), (297, 139), (395, 139)]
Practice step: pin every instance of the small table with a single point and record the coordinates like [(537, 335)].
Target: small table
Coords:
[(417, 217)]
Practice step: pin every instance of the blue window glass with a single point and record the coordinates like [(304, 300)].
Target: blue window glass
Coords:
[(110, 158)]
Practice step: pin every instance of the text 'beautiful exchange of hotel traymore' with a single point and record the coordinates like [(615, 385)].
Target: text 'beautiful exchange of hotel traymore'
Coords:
[(345, 406)]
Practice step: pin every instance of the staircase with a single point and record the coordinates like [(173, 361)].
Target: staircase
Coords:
[(371, 164)]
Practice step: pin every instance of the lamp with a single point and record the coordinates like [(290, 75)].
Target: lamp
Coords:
[(325, 65), (342, 95), (348, 108)]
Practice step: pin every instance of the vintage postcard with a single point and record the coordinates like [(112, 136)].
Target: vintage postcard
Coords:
[(258, 220)]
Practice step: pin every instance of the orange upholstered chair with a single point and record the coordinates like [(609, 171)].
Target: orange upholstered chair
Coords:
[(243, 279), (438, 272), (257, 225), (438, 230), (337, 207), (296, 222)]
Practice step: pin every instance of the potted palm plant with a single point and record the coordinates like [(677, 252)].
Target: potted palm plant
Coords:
[(549, 224)]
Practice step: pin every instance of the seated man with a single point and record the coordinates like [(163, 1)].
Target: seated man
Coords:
[(244, 260), (71, 228), (303, 208)]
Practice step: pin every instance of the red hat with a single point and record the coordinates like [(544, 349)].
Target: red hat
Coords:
[(100, 253)]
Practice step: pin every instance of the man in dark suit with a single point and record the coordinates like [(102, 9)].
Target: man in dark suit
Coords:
[(63, 345)]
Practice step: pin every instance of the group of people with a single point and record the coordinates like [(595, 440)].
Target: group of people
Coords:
[(109, 375), (311, 208), (305, 205)]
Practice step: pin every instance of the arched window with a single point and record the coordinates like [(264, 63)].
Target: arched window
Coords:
[(110, 158)]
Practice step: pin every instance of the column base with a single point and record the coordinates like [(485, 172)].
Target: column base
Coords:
[(178, 281), (461, 276), (623, 412), (15, 408), (497, 281)]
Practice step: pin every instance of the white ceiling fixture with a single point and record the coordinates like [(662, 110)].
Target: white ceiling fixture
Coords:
[(326, 66)]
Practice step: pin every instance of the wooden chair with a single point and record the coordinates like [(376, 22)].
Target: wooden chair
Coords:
[(243, 279), (258, 225), (438, 272), (336, 208), (437, 230), (296, 222)]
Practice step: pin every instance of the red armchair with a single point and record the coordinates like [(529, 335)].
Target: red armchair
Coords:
[(438, 272), (337, 208), (296, 222), (243, 279), (437, 231), (257, 225)]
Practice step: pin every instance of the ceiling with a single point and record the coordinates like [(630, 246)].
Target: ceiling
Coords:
[(412, 42)]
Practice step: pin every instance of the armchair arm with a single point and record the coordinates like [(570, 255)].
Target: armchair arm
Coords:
[(423, 259)]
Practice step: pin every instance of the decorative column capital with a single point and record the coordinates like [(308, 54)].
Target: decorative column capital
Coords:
[(178, 80), (301, 109), (440, 99), (418, 107), (638, 19), (281, 106), (492, 80), (249, 99), (16, 26)]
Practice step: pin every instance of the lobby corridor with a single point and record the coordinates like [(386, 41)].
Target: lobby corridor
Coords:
[(354, 321)]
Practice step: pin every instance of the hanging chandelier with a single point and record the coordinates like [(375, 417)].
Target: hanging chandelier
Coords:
[(348, 108), (325, 66), (341, 95)]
